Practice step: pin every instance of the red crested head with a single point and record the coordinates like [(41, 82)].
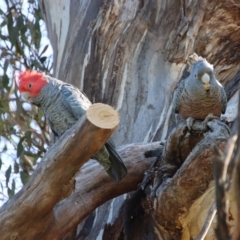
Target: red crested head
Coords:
[(31, 82)]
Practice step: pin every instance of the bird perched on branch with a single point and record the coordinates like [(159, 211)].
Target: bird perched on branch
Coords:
[(63, 104), (200, 96)]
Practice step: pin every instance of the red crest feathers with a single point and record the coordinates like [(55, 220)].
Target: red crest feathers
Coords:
[(32, 82)]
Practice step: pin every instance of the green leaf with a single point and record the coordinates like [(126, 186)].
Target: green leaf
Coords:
[(44, 50), (38, 14), (13, 186), (25, 41), (37, 39), (23, 30), (1, 105), (40, 114), (13, 34), (9, 22), (5, 81), (16, 167), (43, 59), (37, 34), (24, 177), (10, 192), (20, 22), (28, 134), (20, 147), (4, 22), (7, 174), (35, 64), (19, 49), (5, 66)]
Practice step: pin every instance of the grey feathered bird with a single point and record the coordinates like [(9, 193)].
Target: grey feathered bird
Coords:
[(63, 104), (200, 94)]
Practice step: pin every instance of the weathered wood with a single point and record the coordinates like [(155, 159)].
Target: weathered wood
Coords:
[(31, 209), (190, 181), (103, 116), (94, 187), (48, 209)]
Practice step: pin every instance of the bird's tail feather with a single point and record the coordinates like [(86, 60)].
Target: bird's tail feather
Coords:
[(117, 169)]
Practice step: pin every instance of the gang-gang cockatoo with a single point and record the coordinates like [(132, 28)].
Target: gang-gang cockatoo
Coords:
[(200, 95), (63, 105)]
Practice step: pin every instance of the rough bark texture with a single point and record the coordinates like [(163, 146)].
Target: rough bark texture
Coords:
[(131, 54), (55, 201), (33, 205), (187, 185)]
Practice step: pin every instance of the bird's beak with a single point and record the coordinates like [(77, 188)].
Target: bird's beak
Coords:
[(207, 86), (25, 96)]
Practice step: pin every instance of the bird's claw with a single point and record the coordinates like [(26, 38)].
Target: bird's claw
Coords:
[(208, 118), (190, 122)]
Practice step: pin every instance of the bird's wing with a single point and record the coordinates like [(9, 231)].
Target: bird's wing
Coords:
[(177, 96), (52, 127), (74, 100)]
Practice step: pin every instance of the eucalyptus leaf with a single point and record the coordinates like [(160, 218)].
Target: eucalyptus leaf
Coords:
[(5, 81), (9, 21), (13, 34), (20, 147), (8, 174), (24, 177), (44, 50), (16, 167)]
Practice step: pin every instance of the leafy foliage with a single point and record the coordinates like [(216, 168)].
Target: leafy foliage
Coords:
[(24, 134)]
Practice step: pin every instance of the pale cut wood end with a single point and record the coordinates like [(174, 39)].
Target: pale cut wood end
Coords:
[(103, 116)]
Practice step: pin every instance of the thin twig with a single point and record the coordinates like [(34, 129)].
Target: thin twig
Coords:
[(236, 178), (222, 231), (211, 213), (223, 174)]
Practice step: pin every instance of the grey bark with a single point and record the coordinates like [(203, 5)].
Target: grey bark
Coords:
[(131, 54)]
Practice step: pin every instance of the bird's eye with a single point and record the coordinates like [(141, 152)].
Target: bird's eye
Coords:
[(29, 85)]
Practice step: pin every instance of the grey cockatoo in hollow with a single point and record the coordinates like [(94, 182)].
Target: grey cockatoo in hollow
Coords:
[(63, 104), (200, 94)]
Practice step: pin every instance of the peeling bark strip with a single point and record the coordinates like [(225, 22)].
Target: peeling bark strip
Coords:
[(94, 187)]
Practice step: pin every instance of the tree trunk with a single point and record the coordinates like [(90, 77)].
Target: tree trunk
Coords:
[(131, 54)]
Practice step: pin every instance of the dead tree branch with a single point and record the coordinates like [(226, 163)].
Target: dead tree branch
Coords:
[(53, 179), (41, 210), (193, 153)]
